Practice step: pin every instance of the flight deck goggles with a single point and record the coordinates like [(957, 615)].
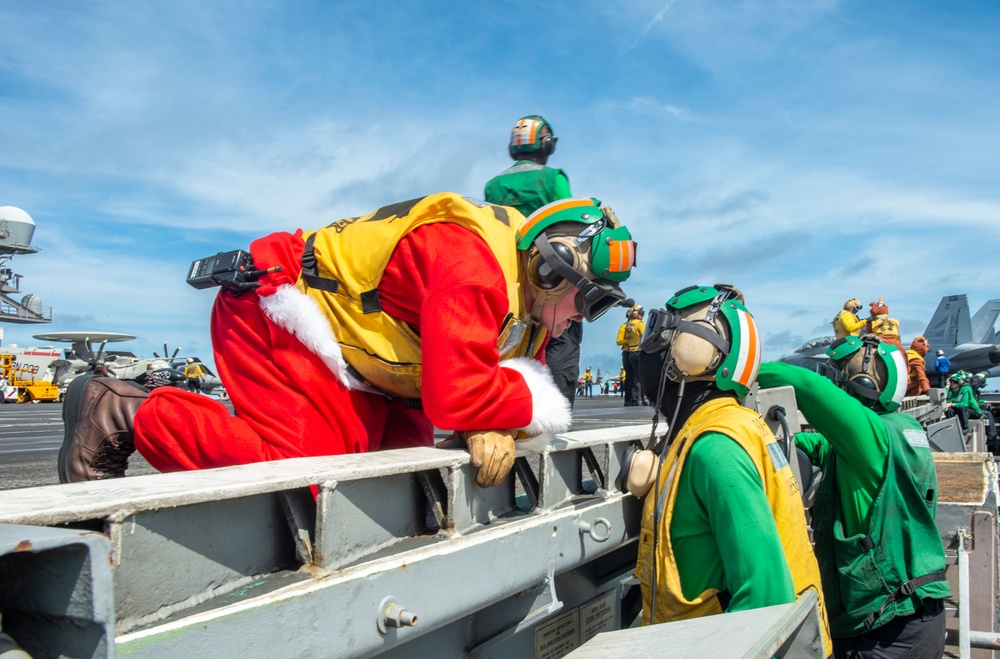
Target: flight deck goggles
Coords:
[(595, 296), (663, 324)]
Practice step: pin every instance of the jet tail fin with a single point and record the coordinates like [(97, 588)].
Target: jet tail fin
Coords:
[(950, 325), (983, 322)]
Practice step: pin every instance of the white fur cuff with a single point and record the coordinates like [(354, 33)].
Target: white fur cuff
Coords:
[(550, 412), (293, 310)]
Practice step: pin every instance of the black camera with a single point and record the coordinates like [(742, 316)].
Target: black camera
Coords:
[(234, 271)]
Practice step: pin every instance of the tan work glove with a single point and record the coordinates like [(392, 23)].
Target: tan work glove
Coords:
[(491, 451)]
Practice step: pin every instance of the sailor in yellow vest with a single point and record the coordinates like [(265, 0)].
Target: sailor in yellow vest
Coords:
[(377, 329), (846, 322), (723, 526), (588, 382), (629, 335), (194, 374)]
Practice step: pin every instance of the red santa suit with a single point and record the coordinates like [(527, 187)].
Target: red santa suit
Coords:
[(291, 391)]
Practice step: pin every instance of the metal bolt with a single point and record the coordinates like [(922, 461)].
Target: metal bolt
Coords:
[(397, 616), (390, 614)]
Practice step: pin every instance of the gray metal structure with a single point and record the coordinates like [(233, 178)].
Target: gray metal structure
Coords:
[(399, 554), (245, 561), (789, 631)]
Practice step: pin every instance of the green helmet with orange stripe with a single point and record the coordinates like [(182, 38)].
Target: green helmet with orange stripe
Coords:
[(708, 335), (577, 244), (532, 134), (869, 369)]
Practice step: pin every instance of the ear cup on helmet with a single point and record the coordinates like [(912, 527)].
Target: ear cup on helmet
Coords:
[(638, 471), (548, 145), (541, 273), (692, 354)]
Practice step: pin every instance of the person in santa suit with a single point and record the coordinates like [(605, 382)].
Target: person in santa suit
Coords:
[(377, 329)]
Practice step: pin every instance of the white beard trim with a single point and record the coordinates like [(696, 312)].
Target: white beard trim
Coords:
[(293, 310), (550, 412)]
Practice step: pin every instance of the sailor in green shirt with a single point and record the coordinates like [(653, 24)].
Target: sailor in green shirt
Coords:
[(529, 183), (878, 547), (961, 402), (723, 528), (527, 186)]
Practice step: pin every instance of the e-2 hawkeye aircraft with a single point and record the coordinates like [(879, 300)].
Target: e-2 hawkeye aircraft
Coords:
[(81, 358)]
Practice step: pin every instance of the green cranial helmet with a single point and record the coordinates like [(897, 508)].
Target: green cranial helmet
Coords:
[(532, 134), (872, 371), (577, 243), (709, 335)]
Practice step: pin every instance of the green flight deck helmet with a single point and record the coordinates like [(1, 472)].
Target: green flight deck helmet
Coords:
[(532, 134), (872, 371), (577, 243), (709, 335)]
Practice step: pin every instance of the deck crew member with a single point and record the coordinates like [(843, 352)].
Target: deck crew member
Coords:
[(916, 378), (883, 572), (961, 401), (881, 325), (528, 185), (942, 365), (194, 374), (377, 329), (629, 336), (723, 527), (846, 322)]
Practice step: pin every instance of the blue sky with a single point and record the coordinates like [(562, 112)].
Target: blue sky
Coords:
[(805, 151)]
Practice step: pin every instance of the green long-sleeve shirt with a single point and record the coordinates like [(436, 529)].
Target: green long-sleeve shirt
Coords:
[(963, 397), (885, 485), (723, 532), (853, 431)]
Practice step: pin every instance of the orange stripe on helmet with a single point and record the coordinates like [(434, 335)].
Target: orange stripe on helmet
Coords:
[(747, 367), (622, 255), (548, 211), (526, 124)]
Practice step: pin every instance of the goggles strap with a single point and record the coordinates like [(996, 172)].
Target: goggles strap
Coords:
[(564, 270), (590, 291)]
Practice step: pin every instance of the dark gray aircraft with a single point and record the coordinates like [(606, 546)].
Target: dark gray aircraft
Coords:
[(970, 344), (809, 354)]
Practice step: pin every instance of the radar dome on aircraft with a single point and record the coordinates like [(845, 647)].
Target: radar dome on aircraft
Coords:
[(16, 230)]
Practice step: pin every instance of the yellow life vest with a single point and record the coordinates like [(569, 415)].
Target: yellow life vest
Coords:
[(747, 429), (343, 264), (885, 326), (632, 332)]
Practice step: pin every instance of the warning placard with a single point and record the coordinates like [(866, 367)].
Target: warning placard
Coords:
[(558, 637), (597, 615)]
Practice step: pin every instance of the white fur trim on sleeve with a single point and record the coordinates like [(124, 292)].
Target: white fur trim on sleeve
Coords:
[(293, 310), (550, 412)]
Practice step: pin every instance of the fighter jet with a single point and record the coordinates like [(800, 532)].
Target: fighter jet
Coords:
[(809, 354), (969, 344)]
